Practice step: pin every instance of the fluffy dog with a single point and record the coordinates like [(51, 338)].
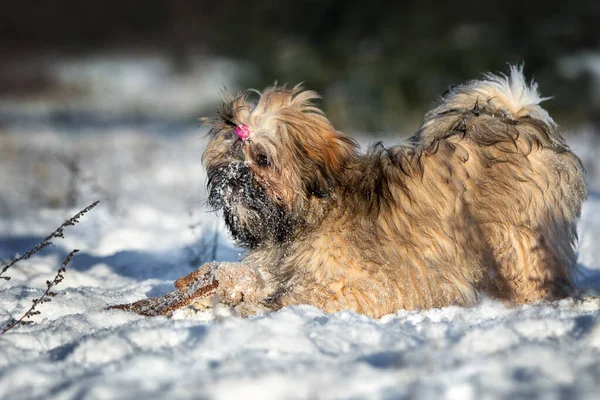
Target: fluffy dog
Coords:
[(484, 198)]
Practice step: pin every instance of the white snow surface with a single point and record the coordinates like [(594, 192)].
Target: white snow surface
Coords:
[(152, 227)]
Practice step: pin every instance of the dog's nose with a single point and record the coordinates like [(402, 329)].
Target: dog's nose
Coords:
[(238, 173)]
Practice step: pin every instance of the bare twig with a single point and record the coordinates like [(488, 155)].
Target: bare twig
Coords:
[(58, 233), (44, 298)]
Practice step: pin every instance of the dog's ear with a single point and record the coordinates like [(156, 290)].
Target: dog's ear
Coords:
[(329, 163), (320, 152)]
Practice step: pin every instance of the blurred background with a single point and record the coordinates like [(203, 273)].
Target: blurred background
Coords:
[(379, 65), (100, 99)]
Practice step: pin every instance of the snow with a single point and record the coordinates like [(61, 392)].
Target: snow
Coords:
[(152, 226)]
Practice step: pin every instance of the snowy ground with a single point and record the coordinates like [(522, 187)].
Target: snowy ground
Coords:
[(152, 227)]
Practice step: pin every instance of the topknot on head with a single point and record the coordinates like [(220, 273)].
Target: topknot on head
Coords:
[(252, 112), (242, 131), (282, 100)]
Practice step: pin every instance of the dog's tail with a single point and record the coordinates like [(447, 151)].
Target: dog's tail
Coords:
[(507, 98), (503, 113), (511, 95)]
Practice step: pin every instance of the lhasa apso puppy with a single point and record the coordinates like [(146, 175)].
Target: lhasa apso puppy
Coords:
[(483, 199)]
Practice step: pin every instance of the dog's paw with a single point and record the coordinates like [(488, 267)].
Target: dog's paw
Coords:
[(238, 283)]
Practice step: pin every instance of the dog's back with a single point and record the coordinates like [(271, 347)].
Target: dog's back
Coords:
[(484, 198), (521, 186)]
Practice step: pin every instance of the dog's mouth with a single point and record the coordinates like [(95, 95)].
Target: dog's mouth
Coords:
[(252, 217)]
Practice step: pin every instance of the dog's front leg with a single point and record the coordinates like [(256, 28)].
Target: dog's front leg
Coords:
[(238, 285)]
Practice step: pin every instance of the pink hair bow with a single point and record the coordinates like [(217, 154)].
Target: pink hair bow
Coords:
[(242, 131)]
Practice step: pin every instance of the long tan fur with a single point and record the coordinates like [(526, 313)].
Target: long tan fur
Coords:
[(482, 199)]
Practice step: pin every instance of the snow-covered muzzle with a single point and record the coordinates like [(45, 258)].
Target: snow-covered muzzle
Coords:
[(251, 216)]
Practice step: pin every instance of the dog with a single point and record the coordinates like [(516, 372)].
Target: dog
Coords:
[(482, 200)]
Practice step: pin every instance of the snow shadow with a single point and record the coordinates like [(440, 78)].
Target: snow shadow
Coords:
[(588, 275), (385, 359), (135, 264), (588, 279)]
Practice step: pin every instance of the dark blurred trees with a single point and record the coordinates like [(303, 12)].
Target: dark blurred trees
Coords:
[(378, 64)]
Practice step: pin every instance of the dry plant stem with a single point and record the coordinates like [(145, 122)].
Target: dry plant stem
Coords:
[(44, 298), (195, 286), (58, 233), (235, 285)]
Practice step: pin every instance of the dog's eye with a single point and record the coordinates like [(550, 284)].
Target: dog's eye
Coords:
[(262, 160)]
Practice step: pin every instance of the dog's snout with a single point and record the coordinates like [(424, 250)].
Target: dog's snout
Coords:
[(238, 172), (232, 180)]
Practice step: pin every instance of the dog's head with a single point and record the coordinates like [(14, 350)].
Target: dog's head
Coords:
[(270, 160)]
